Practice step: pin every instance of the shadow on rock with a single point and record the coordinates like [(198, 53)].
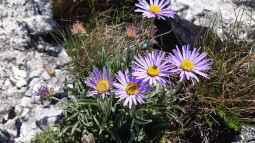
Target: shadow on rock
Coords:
[(248, 3), (179, 32), (5, 137)]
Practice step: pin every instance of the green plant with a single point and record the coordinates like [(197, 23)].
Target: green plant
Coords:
[(50, 135), (208, 111), (109, 122)]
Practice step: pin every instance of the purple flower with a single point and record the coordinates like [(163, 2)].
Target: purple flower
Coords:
[(190, 63), (152, 68), (129, 90), (155, 8), (100, 82), (43, 91)]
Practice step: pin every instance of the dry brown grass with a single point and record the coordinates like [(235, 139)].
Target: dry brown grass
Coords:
[(86, 48), (233, 80)]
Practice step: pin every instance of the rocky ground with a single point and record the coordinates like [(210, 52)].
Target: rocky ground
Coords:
[(29, 60)]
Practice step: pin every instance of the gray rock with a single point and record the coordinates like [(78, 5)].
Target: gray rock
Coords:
[(5, 137), (27, 61), (222, 15), (247, 135), (39, 119), (32, 118), (20, 20), (22, 70)]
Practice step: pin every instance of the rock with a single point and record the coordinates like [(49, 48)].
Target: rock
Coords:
[(40, 119), (23, 19), (19, 77), (10, 127), (5, 137), (31, 118), (247, 135), (222, 15), (11, 113), (17, 82), (27, 61)]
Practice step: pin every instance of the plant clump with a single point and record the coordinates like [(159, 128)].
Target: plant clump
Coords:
[(128, 90)]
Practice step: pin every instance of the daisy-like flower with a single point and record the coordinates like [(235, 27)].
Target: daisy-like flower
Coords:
[(155, 8), (153, 68), (190, 63), (129, 90), (100, 82)]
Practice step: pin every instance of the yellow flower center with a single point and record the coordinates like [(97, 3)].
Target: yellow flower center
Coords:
[(153, 71), (187, 65), (132, 88), (154, 9), (102, 86)]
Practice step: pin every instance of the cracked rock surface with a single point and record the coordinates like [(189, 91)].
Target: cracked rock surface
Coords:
[(27, 61)]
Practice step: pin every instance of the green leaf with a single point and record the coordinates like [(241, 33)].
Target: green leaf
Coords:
[(142, 121), (74, 128), (231, 120)]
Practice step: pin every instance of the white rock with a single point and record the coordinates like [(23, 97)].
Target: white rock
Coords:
[(45, 75), (29, 128), (26, 102), (19, 77), (22, 72), (226, 13)]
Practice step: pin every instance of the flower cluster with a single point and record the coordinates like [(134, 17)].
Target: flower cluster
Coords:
[(154, 68)]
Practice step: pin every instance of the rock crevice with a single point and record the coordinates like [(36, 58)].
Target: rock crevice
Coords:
[(27, 61)]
